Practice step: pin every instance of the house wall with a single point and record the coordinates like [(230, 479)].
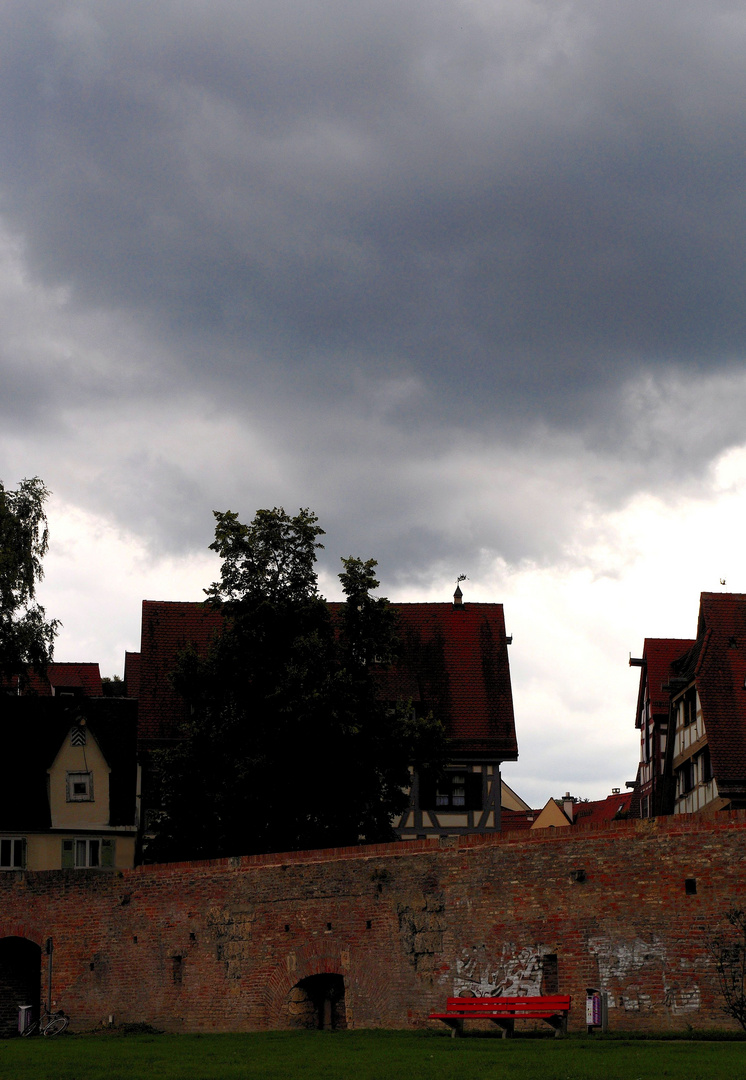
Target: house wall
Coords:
[(44, 850), (221, 945), (79, 759)]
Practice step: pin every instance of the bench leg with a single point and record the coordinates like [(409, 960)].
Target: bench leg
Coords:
[(559, 1023), (457, 1028), (508, 1027)]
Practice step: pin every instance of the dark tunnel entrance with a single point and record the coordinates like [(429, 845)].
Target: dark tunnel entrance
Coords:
[(20, 981), (319, 1002)]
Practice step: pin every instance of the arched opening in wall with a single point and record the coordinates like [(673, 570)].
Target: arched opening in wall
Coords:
[(20, 981), (318, 1002)]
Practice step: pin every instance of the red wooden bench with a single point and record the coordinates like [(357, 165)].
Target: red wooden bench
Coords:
[(504, 1011)]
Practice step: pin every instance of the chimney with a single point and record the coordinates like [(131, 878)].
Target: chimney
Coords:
[(568, 805)]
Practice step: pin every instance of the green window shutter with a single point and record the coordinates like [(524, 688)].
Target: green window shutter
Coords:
[(107, 853), (68, 855)]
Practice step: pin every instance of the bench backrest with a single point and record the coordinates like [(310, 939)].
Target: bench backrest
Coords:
[(552, 1002)]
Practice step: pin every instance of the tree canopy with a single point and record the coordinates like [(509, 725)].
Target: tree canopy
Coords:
[(289, 744), (26, 637)]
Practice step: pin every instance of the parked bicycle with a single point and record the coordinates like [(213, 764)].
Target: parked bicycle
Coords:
[(48, 1024)]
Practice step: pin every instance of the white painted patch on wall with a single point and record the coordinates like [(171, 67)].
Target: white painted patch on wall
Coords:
[(620, 961), (515, 972)]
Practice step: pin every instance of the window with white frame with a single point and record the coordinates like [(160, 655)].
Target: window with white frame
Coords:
[(12, 853), (80, 787), (87, 852)]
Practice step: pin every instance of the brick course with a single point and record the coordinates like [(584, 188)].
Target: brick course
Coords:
[(221, 945)]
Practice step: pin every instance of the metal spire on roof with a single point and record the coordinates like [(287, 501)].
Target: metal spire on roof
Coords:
[(458, 595)]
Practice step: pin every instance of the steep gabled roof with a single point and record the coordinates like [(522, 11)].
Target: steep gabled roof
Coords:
[(718, 664), (657, 656), (453, 661), (551, 816)]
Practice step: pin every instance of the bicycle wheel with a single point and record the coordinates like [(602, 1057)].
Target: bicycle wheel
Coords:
[(32, 1029), (56, 1026)]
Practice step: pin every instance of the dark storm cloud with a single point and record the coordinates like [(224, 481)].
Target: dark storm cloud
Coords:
[(520, 204), (367, 234)]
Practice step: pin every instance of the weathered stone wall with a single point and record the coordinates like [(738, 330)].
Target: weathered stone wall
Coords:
[(222, 945)]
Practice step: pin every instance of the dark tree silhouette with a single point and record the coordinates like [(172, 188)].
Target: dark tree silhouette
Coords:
[(289, 744)]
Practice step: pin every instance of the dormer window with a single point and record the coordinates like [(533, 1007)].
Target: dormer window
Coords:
[(79, 787)]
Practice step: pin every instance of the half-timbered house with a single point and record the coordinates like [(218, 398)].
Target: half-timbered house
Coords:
[(693, 694), (651, 720), (453, 662)]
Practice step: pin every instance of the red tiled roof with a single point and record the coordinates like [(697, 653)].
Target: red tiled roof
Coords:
[(719, 660), (453, 661), (167, 628), (659, 654), (460, 657), (132, 674), (608, 809), (86, 677), (513, 820)]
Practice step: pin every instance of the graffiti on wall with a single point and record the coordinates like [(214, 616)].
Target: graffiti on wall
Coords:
[(628, 971), (514, 971)]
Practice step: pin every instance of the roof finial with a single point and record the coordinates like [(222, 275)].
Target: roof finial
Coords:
[(458, 595)]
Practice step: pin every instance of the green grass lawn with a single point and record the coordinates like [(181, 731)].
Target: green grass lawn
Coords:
[(364, 1055)]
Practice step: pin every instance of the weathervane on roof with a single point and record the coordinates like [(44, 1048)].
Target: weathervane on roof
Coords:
[(458, 596), (722, 581)]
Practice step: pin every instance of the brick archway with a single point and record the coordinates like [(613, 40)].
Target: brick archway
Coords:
[(318, 1002), (364, 984), (22, 929)]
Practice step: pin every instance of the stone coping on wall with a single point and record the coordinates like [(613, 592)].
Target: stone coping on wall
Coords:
[(671, 825), (675, 824)]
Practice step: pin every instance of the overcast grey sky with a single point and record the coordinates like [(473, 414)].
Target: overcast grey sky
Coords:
[(465, 277)]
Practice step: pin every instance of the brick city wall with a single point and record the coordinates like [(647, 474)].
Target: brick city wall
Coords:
[(222, 945)]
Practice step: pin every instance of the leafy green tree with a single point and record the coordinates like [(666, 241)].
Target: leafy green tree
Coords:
[(26, 637), (289, 745)]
